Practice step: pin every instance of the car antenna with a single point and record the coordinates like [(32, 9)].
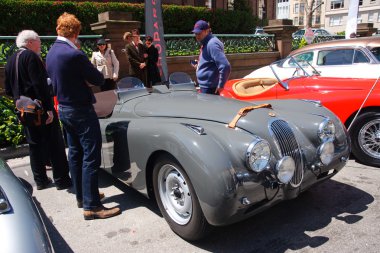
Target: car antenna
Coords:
[(365, 100)]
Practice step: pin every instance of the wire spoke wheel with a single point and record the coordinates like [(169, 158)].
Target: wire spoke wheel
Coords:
[(369, 138), (365, 137)]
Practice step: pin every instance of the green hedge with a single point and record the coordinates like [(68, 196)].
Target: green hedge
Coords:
[(41, 16), (11, 132)]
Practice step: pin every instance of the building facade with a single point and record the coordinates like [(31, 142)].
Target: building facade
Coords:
[(336, 12), (298, 12), (328, 14)]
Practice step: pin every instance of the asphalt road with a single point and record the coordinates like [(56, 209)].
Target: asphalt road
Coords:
[(339, 215)]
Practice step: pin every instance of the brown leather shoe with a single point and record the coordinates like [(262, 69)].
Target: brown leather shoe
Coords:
[(80, 202), (101, 212)]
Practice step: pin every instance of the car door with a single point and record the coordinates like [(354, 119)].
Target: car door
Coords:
[(344, 62)]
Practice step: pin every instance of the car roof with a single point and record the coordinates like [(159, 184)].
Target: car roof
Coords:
[(368, 42)]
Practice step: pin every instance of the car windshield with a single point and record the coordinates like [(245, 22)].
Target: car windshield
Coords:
[(300, 32), (301, 66)]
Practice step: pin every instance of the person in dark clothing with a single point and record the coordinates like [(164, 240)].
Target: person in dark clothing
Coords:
[(72, 74), (153, 76), (135, 51), (32, 83)]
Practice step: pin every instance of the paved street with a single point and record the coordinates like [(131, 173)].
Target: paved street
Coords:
[(339, 215)]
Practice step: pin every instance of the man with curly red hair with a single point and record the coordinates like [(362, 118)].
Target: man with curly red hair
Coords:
[(71, 72)]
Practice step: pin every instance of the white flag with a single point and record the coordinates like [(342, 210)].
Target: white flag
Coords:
[(352, 19)]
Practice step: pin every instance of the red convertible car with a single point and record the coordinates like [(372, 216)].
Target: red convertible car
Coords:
[(356, 101)]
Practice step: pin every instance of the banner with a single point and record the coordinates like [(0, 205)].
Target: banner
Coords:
[(154, 27), (352, 18)]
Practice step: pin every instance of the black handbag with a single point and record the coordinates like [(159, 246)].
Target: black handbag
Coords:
[(29, 112)]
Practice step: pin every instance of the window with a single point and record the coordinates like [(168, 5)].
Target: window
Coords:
[(372, 1), (376, 52), (360, 2), (296, 8), (335, 20), (360, 57), (302, 59), (301, 21), (335, 57), (360, 19), (283, 9), (317, 19), (337, 4), (370, 17), (295, 21), (302, 8), (208, 3), (230, 5), (305, 57)]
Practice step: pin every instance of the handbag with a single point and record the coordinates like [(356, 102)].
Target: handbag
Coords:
[(29, 112)]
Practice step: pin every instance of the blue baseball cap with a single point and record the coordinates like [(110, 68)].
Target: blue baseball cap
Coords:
[(200, 26)]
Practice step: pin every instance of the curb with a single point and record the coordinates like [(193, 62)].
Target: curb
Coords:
[(14, 152)]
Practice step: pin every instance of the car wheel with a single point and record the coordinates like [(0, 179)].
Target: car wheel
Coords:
[(177, 200), (365, 136)]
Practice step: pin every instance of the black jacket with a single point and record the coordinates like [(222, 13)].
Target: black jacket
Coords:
[(32, 78), (153, 71)]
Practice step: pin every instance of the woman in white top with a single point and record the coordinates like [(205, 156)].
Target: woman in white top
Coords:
[(106, 62)]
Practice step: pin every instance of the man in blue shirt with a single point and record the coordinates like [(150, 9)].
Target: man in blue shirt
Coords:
[(213, 68), (72, 74)]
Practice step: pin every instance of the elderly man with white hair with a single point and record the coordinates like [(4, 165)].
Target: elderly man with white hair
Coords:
[(29, 79)]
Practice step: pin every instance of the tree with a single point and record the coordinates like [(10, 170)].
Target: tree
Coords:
[(241, 5), (310, 9)]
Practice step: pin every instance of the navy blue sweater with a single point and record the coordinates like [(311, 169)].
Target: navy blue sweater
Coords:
[(70, 72), (213, 67)]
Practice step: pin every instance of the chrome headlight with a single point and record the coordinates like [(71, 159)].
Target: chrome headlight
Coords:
[(285, 169), (258, 155), (326, 130), (326, 152)]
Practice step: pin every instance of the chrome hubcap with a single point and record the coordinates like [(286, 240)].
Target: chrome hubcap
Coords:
[(175, 194), (369, 138)]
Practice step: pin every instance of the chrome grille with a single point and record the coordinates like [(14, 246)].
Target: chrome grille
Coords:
[(288, 145)]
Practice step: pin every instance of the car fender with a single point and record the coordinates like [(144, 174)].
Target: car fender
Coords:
[(205, 158)]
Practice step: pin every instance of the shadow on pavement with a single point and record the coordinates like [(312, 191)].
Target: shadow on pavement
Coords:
[(286, 226), (130, 198)]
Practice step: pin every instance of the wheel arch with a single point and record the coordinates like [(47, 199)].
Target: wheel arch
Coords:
[(149, 170), (364, 110)]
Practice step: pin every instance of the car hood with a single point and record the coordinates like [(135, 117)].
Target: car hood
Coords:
[(218, 109), (193, 105), (318, 83)]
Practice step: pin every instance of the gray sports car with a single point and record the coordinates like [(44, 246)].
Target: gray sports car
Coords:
[(21, 226), (211, 161)]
